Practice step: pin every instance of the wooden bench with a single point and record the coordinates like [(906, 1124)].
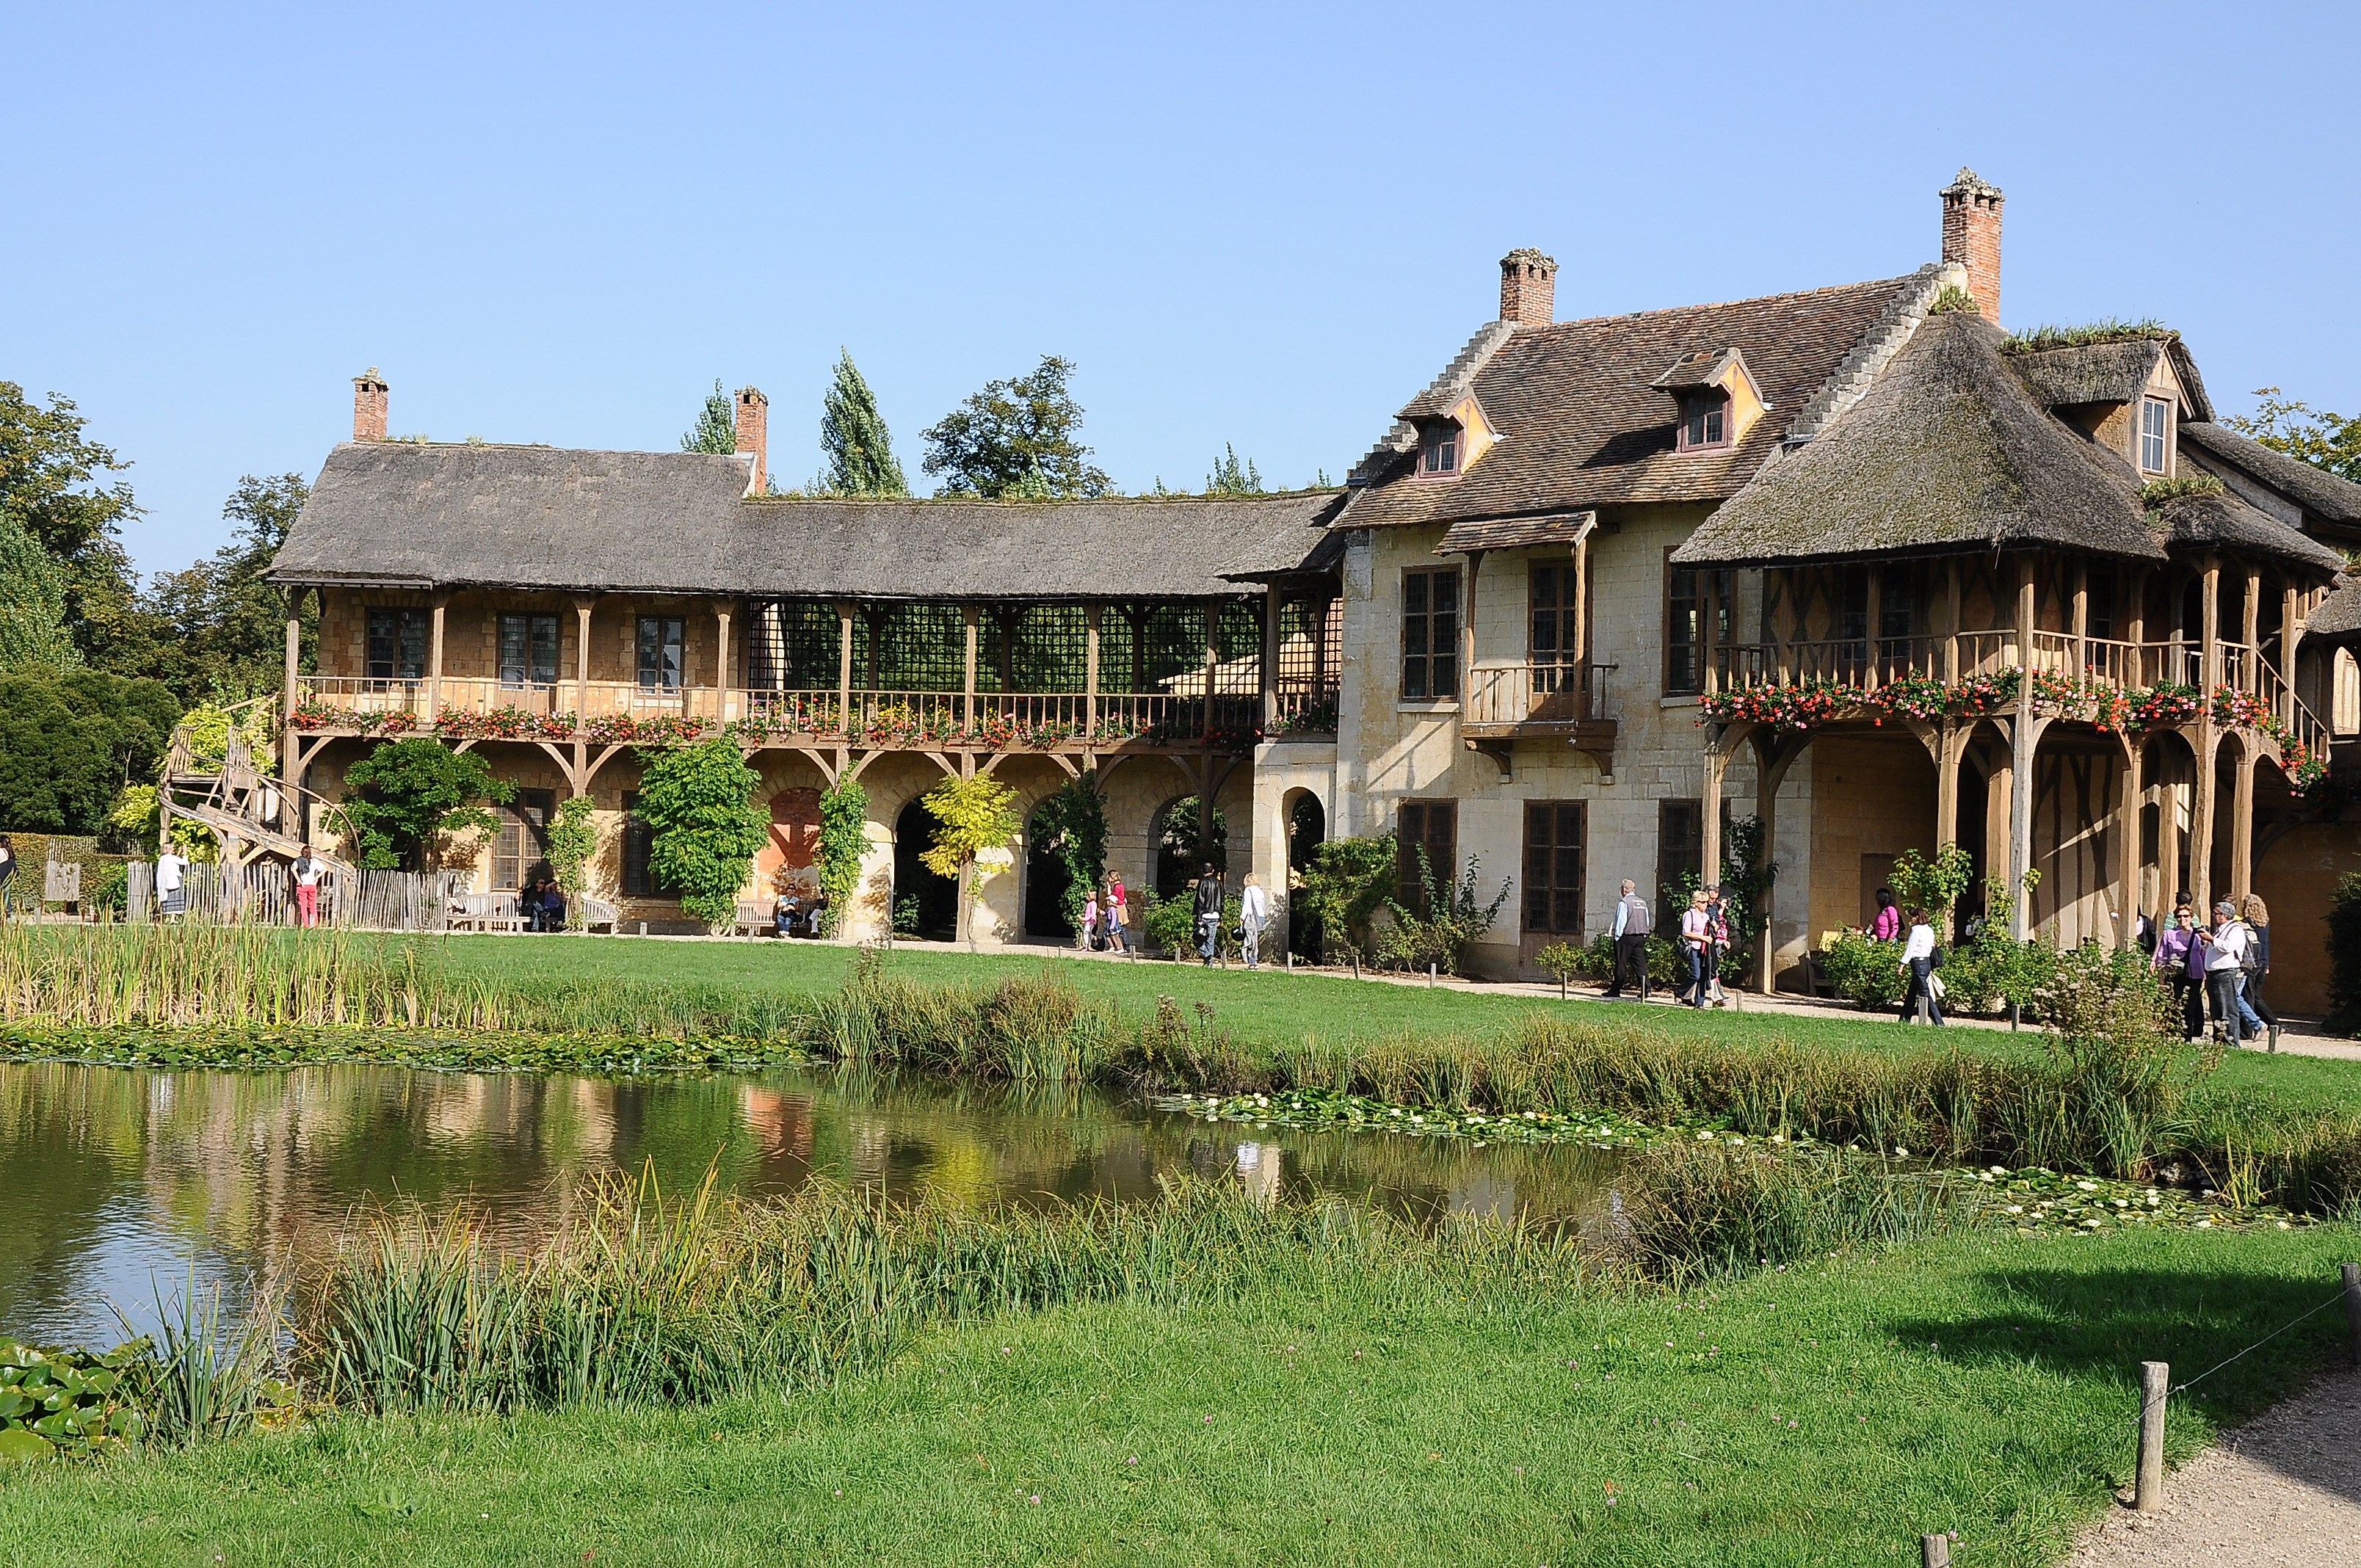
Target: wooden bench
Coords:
[(487, 911)]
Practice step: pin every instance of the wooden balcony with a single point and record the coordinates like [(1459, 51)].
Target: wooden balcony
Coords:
[(1563, 703)]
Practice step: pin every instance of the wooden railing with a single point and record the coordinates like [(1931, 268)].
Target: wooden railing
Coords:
[(1523, 694), (1871, 662)]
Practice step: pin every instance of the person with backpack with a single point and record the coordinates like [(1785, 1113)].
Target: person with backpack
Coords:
[(2225, 972), (1918, 960), (1632, 923), (2258, 923), (1209, 915)]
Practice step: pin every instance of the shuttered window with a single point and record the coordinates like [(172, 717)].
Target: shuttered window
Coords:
[(1554, 869)]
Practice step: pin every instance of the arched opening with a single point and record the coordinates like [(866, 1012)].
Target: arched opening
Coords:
[(1179, 857), (1046, 879), (1307, 828), (924, 905), (790, 858)]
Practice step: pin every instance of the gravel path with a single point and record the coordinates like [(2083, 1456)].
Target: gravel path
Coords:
[(2283, 1489)]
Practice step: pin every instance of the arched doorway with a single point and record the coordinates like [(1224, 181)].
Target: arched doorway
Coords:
[(790, 857), (1047, 877), (1179, 859), (924, 905), (1307, 829)]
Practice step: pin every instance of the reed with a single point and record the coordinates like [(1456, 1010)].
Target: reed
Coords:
[(1702, 1211)]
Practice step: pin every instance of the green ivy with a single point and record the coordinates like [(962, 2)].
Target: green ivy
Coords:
[(573, 843), (1075, 821), (843, 840), (706, 830)]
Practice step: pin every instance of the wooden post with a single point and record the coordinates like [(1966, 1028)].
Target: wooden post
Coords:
[(1951, 636), (1934, 1551), (582, 656), (1271, 608), (2209, 660), (2250, 628), (2128, 848), (971, 614), (2352, 1310), (434, 662), (1949, 741), (2209, 643), (2156, 1377), (1791, 581), (2287, 654), (2167, 843), (1091, 614), (1212, 666), (294, 654), (2242, 822), (1717, 763), (2135, 624), (1873, 622), (1587, 697), (2081, 580), (844, 667), (722, 662), (1467, 637), (2024, 744)]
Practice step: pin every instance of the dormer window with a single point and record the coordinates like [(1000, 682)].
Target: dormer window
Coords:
[(2156, 435), (1705, 421), (1439, 450)]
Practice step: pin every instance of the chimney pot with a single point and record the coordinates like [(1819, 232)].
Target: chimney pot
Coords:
[(371, 406), (1972, 237), (754, 421), (1528, 287)]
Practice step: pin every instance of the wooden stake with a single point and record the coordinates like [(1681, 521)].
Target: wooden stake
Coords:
[(1935, 1552), (2353, 1309), (2156, 1376)]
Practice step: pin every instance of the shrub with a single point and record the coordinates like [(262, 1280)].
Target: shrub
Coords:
[(698, 800), (843, 840), (1860, 968), (2344, 955), (1453, 922), (405, 794), (1074, 821), (1344, 888), (573, 842)]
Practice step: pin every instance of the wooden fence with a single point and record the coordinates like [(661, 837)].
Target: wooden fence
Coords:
[(264, 894)]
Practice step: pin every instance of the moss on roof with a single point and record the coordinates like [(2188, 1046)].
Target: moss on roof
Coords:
[(2042, 339)]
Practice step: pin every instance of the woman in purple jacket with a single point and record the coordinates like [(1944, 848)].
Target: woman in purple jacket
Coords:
[(2181, 961)]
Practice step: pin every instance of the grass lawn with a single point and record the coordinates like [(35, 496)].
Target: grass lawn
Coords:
[(1822, 1416), (1273, 1009)]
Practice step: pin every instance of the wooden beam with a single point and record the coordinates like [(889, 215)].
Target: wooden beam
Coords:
[(435, 661), (2127, 846), (1092, 613), (971, 615), (582, 606), (1268, 681)]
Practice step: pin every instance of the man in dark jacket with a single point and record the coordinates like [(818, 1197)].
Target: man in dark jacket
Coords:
[(1209, 913), (1632, 924)]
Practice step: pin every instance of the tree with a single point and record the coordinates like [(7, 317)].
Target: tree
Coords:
[(978, 825), (2328, 441), (34, 638), (70, 743), (223, 629), (1074, 820), (573, 843), (1346, 883), (843, 840), (406, 794), (716, 429), (1016, 437), (50, 488), (700, 801), (1229, 480), (853, 438)]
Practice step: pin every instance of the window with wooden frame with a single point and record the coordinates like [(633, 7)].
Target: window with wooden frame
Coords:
[(662, 646), (1705, 421), (1554, 869), (1430, 638), (527, 650), (1438, 451), (1554, 636), (1431, 826), (398, 644), (1690, 595), (518, 853), (1680, 849), (639, 838), (2098, 603), (2156, 435)]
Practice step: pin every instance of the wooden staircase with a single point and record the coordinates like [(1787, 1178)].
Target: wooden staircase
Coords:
[(246, 808)]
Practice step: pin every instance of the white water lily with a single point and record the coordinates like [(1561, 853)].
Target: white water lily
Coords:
[(1705, 1137), (1901, 1153), (2088, 1186), (2016, 1208)]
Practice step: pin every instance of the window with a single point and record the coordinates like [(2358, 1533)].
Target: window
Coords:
[(517, 853), (1429, 634), (1431, 826), (1439, 450), (1705, 421), (639, 838), (2099, 602), (527, 650), (660, 653), (2344, 693), (1552, 641), (2156, 435), (397, 644), (1690, 596), (1554, 869), (1680, 849)]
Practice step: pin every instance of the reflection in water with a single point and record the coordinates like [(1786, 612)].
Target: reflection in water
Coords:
[(119, 1180)]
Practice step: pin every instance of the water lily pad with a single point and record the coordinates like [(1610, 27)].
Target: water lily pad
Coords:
[(17, 1444)]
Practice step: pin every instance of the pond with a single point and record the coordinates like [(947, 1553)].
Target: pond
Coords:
[(122, 1180)]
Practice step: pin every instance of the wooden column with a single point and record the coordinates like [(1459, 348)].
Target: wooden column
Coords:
[(1467, 636), (1791, 581), (2242, 821), (2024, 746), (1587, 696), (290, 692), (1271, 606), (582, 604), (1091, 614), (844, 669), (2171, 882), (434, 662), (2128, 848), (2135, 589), (1708, 629), (1949, 744), (971, 615), (1212, 664), (721, 661), (2250, 628), (2081, 581), (1951, 636), (2209, 640), (2201, 820), (1873, 622), (2287, 636), (1717, 763)]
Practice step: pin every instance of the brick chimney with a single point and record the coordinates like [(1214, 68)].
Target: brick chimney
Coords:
[(1528, 287), (1972, 237), (369, 406), (754, 434)]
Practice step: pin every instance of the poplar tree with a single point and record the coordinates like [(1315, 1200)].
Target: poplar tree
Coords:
[(716, 426), (853, 437)]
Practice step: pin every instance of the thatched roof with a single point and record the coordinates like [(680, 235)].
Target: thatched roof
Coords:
[(2318, 493), (2225, 522), (1947, 451), (541, 518), (1584, 425), (2338, 616), (2114, 371)]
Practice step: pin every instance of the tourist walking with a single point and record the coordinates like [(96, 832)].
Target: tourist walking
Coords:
[(306, 874), (1209, 915), (2176, 963), (171, 880), (1088, 933), (1697, 937), (2258, 964), (1254, 912), (7, 872), (1716, 913), (2226, 970), (1887, 925), (1632, 924), (1923, 995), (1117, 916)]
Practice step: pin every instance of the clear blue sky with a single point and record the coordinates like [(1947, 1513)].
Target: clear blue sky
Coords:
[(1259, 224)]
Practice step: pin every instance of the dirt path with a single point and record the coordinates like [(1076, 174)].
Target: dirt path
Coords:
[(2283, 1489)]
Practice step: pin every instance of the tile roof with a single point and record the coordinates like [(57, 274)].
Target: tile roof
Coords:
[(1582, 425), (544, 517)]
